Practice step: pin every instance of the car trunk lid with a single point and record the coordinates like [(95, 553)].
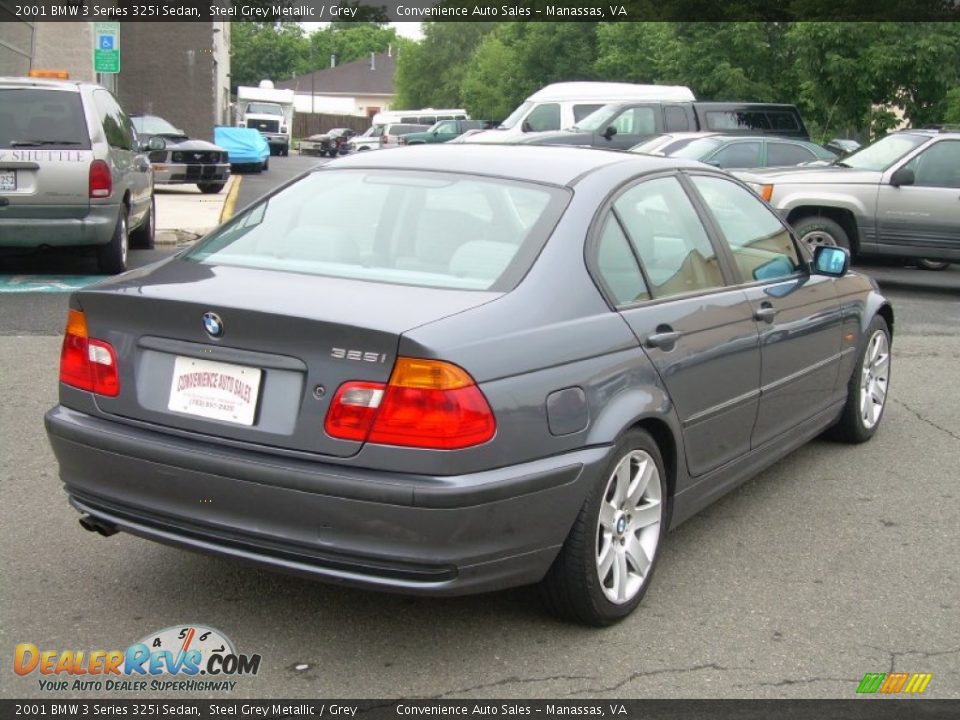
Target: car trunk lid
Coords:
[(288, 341)]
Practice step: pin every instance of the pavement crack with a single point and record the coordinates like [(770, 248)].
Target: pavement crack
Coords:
[(928, 421), (649, 673), (509, 681), (895, 654), (802, 681)]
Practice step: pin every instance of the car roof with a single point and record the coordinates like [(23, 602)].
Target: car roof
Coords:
[(44, 83), (545, 164)]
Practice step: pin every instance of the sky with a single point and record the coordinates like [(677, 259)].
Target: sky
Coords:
[(404, 29)]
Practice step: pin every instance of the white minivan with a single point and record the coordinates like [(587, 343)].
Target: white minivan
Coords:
[(562, 105)]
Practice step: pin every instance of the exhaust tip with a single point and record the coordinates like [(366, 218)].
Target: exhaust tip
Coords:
[(92, 524)]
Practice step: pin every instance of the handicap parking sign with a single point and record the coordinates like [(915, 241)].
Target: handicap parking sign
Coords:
[(105, 42)]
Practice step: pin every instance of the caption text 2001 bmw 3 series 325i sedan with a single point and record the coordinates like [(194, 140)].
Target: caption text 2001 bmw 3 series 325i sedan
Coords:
[(491, 366)]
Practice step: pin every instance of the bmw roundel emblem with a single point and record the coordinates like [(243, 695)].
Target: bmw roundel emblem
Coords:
[(212, 324)]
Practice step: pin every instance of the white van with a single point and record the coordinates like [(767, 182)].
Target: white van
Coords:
[(562, 105), (427, 116)]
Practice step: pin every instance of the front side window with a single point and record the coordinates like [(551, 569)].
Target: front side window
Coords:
[(447, 126), (669, 238), (938, 165), (412, 228), (761, 245), (545, 117), (635, 121), (50, 119)]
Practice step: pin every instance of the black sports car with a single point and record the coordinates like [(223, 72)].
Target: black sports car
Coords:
[(183, 160)]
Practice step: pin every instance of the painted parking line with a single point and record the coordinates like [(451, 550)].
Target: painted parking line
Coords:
[(46, 283)]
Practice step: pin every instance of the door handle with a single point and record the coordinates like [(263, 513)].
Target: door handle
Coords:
[(766, 312), (664, 338)]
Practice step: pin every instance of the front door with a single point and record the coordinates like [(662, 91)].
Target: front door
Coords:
[(923, 219), (796, 313)]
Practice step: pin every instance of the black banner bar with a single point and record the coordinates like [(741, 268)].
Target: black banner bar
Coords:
[(479, 10), (873, 708)]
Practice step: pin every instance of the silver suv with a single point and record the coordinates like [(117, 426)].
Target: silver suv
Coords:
[(72, 171), (898, 197)]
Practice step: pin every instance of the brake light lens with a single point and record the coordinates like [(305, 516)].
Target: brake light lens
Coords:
[(426, 404), (101, 181), (87, 363)]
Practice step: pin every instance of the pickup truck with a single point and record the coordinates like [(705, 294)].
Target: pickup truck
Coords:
[(444, 131)]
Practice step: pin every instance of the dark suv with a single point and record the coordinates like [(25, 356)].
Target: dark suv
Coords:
[(72, 171)]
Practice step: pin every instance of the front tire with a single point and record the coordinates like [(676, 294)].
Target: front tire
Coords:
[(144, 236), (210, 188), (112, 257), (608, 559), (816, 230), (868, 387)]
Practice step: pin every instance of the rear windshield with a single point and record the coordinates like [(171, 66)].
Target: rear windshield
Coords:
[(32, 118), (427, 229), (404, 129)]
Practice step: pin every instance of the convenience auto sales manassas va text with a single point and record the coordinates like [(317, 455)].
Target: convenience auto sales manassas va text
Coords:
[(506, 709)]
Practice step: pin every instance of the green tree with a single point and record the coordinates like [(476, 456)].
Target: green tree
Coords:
[(493, 67), (951, 112), (430, 72), (265, 52)]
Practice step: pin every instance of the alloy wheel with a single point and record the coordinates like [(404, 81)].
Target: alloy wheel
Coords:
[(875, 379), (629, 530)]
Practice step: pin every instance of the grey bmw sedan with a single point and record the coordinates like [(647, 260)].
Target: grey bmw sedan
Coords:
[(487, 367)]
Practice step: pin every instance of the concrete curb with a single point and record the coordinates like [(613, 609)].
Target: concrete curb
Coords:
[(178, 238)]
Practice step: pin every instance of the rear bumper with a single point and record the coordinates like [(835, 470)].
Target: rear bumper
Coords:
[(96, 228), (423, 535)]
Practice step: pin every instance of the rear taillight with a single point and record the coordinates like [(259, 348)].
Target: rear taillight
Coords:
[(101, 181), (86, 363), (386, 139), (426, 404)]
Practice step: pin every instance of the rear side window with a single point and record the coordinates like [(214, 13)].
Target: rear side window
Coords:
[(737, 155), (404, 227), (618, 267), (737, 120), (116, 125), (49, 119), (675, 119), (669, 238), (779, 153), (761, 245)]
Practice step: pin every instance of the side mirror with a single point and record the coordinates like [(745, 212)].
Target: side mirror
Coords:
[(609, 132), (831, 260), (156, 143), (902, 176), (436, 132), (526, 127)]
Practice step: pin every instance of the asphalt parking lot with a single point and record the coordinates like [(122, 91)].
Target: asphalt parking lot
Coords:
[(835, 562)]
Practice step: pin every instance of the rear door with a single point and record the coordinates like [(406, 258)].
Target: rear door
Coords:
[(796, 313), (661, 271)]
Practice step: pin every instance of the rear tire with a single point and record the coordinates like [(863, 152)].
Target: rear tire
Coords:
[(210, 188), (932, 264), (607, 561), (112, 257), (815, 230), (868, 387), (144, 236)]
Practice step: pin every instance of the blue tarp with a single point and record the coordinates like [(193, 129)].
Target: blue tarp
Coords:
[(243, 145)]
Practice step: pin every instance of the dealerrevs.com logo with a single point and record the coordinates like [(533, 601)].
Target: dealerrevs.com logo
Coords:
[(182, 658)]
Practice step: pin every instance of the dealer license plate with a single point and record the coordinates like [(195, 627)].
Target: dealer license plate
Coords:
[(215, 390), (8, 180)]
